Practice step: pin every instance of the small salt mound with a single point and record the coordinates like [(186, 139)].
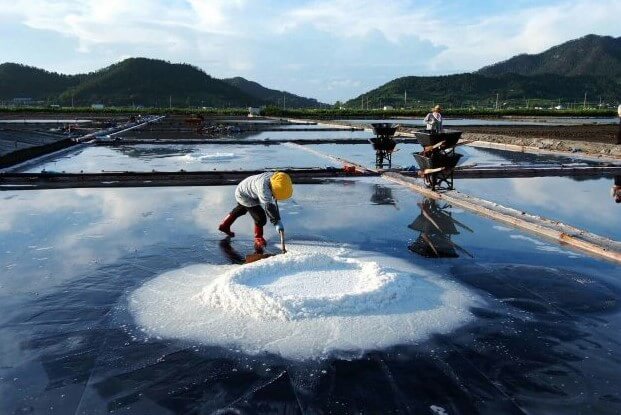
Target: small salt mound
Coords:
[(304, 285), (207, 157), (305, 304)]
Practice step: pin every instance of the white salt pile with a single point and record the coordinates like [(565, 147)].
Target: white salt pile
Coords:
[(305, 304), (191, 157)]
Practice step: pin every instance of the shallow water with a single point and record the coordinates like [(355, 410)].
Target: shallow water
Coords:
[(491, 122), (305, 135), (198, 157), (584, 202), (481, 157), (543, 340)]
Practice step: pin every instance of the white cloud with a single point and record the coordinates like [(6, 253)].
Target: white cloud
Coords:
[(299, 45), (465, 43)]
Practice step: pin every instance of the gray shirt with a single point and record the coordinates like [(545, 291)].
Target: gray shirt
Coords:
[(255, 190)]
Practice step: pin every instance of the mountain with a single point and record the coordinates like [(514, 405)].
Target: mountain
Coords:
[(153, 82), (21, 81), (271, 95), (138, 81), (591, 55), (590, 65)]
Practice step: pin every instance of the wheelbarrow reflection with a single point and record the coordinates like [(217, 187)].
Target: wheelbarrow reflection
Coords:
[(436, 227)]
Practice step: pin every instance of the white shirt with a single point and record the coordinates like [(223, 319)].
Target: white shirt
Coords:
[(619, 111), (434, 121)]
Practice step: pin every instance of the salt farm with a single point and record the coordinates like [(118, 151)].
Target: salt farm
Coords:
[(492, 287)]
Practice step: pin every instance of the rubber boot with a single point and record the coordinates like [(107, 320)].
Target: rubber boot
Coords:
[(225, 226), (259, 242)]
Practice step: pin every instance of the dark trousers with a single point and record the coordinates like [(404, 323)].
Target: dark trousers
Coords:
[(618, 135), (257, 213)]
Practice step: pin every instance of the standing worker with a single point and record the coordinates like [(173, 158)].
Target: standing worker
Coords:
[(252, 195), (433, 120), (619, 132)]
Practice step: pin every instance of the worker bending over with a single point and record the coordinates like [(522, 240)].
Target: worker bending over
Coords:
[(254, 193)]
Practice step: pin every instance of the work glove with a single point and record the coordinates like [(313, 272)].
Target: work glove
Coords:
[(279, 227)]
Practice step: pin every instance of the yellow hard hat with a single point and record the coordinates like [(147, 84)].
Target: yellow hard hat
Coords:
[(282, 187)]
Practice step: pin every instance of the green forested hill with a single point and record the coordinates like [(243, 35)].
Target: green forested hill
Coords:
[(272, 96), (153, 82), (21, 81), (476, 89), (591, 55), (590, 65), (138, 81)]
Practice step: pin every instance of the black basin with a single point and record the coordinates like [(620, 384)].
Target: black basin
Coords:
[(437, 160), (426, 138), (384, 129)]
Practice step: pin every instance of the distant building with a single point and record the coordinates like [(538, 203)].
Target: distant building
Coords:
[(254, 112), (97, 106), (22, 101), (388, 107)]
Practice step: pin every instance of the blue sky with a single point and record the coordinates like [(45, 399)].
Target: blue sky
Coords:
[(327, 49)]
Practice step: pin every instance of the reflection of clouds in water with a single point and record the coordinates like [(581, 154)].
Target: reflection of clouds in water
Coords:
[(565, 195), (542, 246), (91, 226), (345, 201), (213, 204)]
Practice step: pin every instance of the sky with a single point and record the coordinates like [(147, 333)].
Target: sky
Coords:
[(326, 49)]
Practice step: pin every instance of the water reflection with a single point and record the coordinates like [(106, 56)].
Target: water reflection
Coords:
[(616, 189), (583, 202), (382, 195), (545, 341), (436, 226)]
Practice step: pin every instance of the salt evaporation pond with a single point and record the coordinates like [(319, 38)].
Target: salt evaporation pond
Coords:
[(585, 202), (148, 157), (481, 157), (541, 338)]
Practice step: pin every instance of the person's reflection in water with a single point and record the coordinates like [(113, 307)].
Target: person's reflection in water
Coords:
[(616, 189), (230, 252), (436, 226)]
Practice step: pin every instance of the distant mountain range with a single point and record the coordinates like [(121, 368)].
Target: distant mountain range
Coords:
[(592, 55), (140, 81), (590, 65)]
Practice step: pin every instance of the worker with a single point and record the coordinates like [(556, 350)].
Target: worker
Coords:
[(255, 193), (433, 120), (619, 132), (616, 190)]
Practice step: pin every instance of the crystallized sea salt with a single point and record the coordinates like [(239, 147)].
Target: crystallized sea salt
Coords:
[(305, 304)]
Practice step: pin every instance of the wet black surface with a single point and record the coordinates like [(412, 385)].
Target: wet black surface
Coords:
[(545, 338)]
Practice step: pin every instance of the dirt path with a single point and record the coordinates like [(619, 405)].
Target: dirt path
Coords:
[(588, 133)]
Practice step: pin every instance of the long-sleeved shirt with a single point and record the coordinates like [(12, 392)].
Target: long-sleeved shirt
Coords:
[(255, 191), (434, 121)]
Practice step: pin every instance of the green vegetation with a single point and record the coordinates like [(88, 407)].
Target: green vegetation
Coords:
[(272, 96), (124, 110), (579, 75), (592, 55), (334, 113), (134, 82), (480, 91), (561, 75), (316, 113)]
